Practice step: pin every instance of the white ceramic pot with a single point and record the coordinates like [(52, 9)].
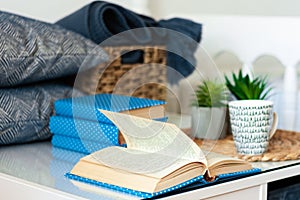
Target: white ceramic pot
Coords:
[(209, 123)]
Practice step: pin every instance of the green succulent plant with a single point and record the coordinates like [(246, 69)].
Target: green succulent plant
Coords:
[(244, 88), (210, 94)]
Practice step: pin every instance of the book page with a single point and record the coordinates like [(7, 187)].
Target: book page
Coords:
[(214, 159), (154, 137), (131, 160), (222, 164)]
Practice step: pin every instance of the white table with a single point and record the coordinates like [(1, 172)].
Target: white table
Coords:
[(36, 171)]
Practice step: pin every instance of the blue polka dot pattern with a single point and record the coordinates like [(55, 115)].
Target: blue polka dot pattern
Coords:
[(84, 136), (86, 107), (195, 182), (84, 130), (77, 145), (236, 174), (130, 191)]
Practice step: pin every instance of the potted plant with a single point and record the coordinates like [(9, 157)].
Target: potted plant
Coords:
[(243, 88), (209, 110), (252, 118)]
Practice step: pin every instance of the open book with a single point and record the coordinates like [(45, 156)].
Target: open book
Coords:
[(159, 157)]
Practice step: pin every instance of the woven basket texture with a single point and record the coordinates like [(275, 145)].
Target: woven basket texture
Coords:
[(146, 79)]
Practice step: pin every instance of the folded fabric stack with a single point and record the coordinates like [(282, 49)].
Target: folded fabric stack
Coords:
[(79, 126), (112, 25), (34, 56)]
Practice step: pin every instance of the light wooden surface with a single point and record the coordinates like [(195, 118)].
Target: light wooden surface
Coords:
[(285, 145)]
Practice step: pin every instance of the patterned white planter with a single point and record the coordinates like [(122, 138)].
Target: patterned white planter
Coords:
[(253, 124)]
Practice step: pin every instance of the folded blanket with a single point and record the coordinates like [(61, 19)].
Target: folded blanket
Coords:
[(100, 20), (25, 111)]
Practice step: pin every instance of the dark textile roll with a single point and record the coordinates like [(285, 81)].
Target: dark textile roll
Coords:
[(99, 21)]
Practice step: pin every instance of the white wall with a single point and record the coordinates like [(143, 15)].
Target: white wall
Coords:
[(163, 8), (45, 10), (52, 10)]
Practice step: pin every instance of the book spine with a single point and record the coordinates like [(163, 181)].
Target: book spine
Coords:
[(77, 145), (87, 107), (80, 111), (233, 175), (84, 129), (131, 191)]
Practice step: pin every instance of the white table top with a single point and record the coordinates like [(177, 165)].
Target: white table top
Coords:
[(45, 166), (41, 166)]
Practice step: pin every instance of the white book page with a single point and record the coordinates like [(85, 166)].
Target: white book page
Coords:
[(154, 138), (135, 161), (216, 158)]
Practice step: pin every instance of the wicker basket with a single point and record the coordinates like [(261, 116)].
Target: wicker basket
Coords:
[(145, 79)]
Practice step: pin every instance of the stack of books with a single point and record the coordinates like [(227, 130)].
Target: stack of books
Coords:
[(79, 126)]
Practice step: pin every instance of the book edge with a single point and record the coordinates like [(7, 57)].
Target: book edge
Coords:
[(131, 191), (173, 188)]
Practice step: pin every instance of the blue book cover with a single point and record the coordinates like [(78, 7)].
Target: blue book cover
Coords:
[(86, 107), (130, 191), (84, 130), (193, 183), (78, 145)]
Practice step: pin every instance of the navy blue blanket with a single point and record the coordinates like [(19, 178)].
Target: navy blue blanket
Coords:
[(99, 21)]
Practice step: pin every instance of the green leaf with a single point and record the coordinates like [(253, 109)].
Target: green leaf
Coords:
[(210, 94), (244, 88)]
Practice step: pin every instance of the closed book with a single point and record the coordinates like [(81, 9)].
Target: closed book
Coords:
[(87, 130), (78, 145), (86, 107), (84, 130)]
